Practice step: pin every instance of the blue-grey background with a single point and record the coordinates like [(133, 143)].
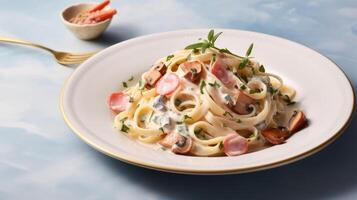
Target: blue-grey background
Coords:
[(40, 158)]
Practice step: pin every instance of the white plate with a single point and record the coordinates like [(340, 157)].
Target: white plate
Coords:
[(325, 93)]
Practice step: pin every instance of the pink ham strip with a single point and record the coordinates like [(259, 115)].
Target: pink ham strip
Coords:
[(235, 145), (220, 71)]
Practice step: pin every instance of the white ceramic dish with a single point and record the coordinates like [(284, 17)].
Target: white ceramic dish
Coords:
[(325, 93), (83, 31)]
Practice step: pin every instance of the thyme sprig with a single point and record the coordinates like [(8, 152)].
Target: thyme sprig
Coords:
[(204, 44)]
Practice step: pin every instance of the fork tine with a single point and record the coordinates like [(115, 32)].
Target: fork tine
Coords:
[(74, 56), (83, 54)]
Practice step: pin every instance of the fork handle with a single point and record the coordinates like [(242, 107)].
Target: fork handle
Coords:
[(23, 42)]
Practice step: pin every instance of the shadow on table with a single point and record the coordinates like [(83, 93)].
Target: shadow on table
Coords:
[(115, 34)]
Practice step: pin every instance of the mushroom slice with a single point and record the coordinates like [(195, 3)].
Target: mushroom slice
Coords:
[(275, 135), (182, 146), (154, 74), (170, 139), (297, 121), (243, 103), (192, 70)]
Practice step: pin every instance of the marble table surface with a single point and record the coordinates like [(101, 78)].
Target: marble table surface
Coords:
[(40, 158)]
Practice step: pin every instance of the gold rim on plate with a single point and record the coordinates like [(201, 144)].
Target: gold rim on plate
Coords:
[(229, 171)]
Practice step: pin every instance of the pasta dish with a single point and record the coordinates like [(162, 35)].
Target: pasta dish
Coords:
[(207, 101)]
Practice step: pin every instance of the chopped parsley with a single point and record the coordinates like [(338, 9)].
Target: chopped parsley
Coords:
[(162, 129), (202, 85), (221, 146), (213, 59), (178, 102), (163, 148), (288, 101), (168, 58), (125, 84), (243, 87), (131, 78), (193, 71), (199, 134), (254, 90), (227, 113), (131, 99), (124, 128), (214, 85), (186, 117), (239, 121), (261, 68)]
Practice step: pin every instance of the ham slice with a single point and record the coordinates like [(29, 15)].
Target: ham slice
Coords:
[(192, 70), (167, 84), (219, 70), (170, 139), (154, 74), (118, 101), (177, 143), (243, 102), (235, 145)]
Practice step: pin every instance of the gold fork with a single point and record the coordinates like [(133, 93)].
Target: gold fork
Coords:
[(64, 58)]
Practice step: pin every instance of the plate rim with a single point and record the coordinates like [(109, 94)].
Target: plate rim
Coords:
[(144, 164)]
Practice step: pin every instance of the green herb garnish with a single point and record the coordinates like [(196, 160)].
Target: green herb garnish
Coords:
[(243, 63), (131, 100), (131, 78), (168, 58), (288, 101), (214, 85), (239, 121), (227, 113), (202, 85), (209, 43), (186, 117), (243, 87), (178, 102), (198, 133), (249, 51), (125, 84), (261, 68), (221, 146), (193, 71), (254, 90), (124, 128)]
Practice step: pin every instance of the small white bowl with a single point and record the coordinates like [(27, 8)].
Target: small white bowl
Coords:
[(83, 31)]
